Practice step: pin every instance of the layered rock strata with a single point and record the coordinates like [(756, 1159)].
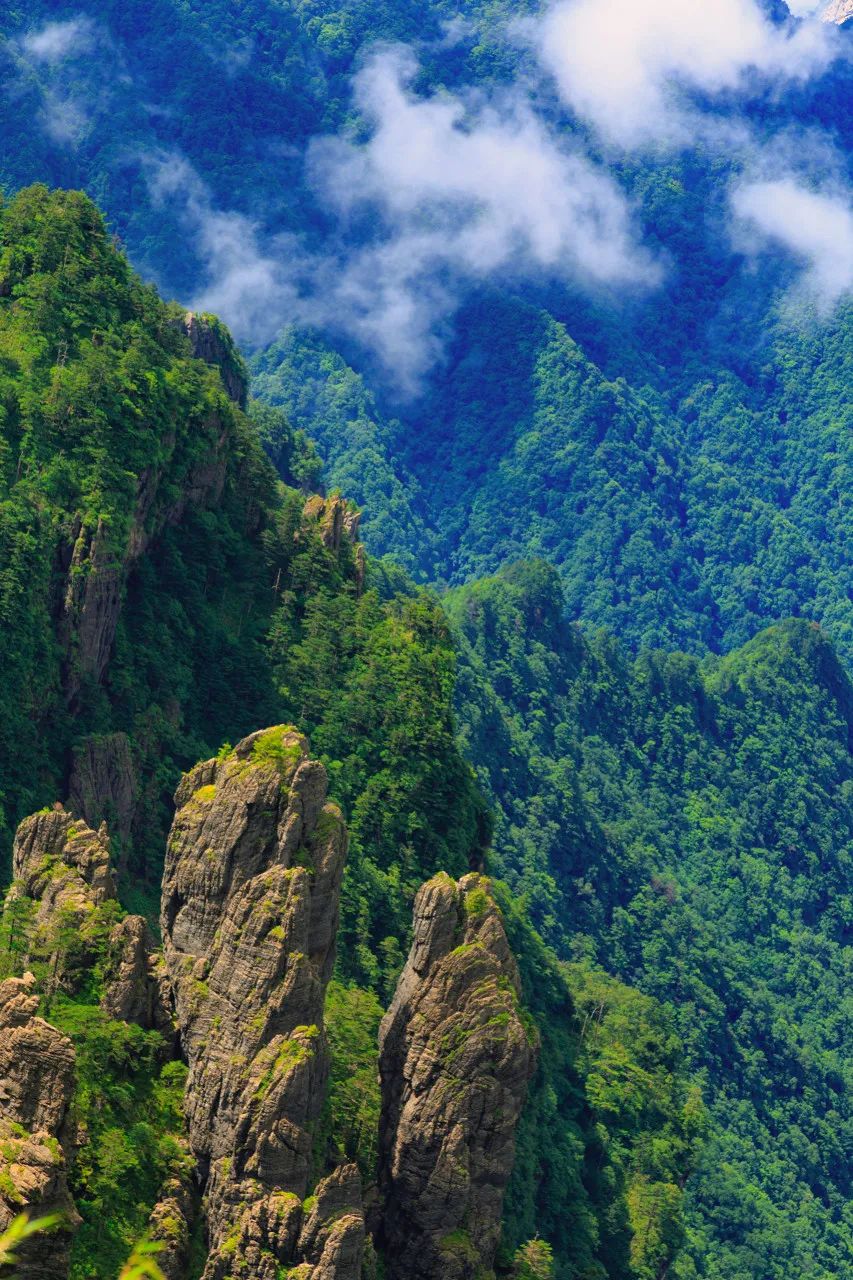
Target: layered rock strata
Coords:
[(103, 786), (249, 917), (455, 1060), (36, 1086)]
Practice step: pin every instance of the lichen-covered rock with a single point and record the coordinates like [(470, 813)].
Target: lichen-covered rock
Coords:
[(63, 864), (455, 1059), (64, 867), (249, 916), (36, 1085), (331, 1241), (169, 1227), (136, 986)]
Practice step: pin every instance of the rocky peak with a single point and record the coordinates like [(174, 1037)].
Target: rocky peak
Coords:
[(338, 522), (249, 917), (63, 866), (838, 11), (211, 342), (455, 1059)]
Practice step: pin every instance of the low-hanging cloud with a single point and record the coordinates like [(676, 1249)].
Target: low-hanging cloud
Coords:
[(454, 188), (463, 189), (56, 41), (76, 66), (815, 227), (253, 288), (442, 193), (630, 67)]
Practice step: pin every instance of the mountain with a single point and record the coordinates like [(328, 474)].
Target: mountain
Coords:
[(177, 589), (521, 512), (688, 826), (695, 407)]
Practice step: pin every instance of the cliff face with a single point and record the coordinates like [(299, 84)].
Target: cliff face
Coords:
[(455, 1059), (95, 566), (250, 907), (36, 1086), (249, 917), (211, 342)]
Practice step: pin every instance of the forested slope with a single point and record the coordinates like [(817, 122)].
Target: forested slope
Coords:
[(163, 592), (654, 703), (689, 826), (680, 454)]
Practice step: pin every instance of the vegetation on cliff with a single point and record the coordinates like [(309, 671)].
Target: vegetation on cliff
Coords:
[(677, 830)]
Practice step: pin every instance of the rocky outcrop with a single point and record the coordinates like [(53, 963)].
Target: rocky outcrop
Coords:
[(94, 564), (211, 342), (136, 986), (170, 1224), (36, 1085), (338, 522), (332, 1237), (103, 786), (61, 863), (838, 11), (249, 916), (455, 1059), (63, 866)]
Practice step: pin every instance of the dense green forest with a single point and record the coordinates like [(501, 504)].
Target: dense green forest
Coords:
[(683, 458), (688, 825), (202, 649), (640, 722)]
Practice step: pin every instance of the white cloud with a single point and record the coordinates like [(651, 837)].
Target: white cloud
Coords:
[(435, 198), (463, 189), (629, 66), (251, 288), (816, 227), (57, 41), (451, 189), (76, 67), (805, 8)]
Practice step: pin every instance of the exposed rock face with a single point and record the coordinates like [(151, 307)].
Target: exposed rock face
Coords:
[(36, 1084), (103, 786), (838, 11), (332, 1237), (455, 1059), (91, 606), (64, 865), (338, 521), (137, 987), (249, 916), (169, 1226), (211, 342), (95, 562)]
